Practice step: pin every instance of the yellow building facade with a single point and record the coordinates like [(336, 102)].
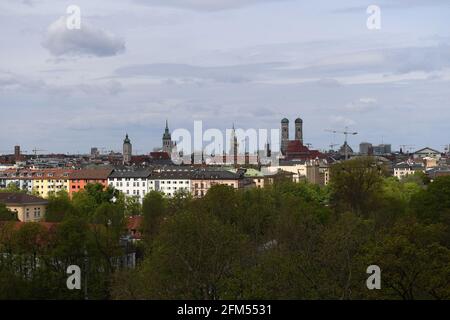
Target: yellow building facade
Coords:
[(28, 208), (50, 182)]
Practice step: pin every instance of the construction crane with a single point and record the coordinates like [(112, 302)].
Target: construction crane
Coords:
[(35, 151), (346, 133), (332, 145), (406, 147)]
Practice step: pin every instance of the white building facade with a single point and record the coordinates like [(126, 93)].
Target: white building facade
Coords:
[(131, 183)]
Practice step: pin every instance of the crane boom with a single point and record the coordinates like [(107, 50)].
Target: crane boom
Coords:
[(346, 133)]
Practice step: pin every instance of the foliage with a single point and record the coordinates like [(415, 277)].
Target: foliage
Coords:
[(6, 214), (285, 241)]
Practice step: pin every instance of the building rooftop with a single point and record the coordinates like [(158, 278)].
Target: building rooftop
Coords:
[(128, 173), (12, 198), (90, 174)]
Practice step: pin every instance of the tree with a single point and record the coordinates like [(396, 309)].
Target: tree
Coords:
[(356, 185), (12, 187), (415, 263), (6, 214), (59, 205), (222, 201), (154, 209), (194, 257), (133, 206), (433, 203)]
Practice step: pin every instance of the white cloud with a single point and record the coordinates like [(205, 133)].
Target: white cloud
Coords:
[(342, 121), (364, 104), (87, 41)]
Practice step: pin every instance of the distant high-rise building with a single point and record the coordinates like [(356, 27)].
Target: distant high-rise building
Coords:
[(167, 143), (127, 150), (94, 152), (365, 148), (284, 135), (382, 149), (17, 154), (299, 130), (268, 152)]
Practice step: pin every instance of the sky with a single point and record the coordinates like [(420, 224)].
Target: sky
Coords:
[(135, 63)]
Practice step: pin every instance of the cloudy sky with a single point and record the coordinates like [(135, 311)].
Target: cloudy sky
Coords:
[(135, 63)]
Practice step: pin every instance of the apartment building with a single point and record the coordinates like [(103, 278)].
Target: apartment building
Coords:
[(170, 182), (203, 180), (79, 179), (404, 169), (133, 183), (21, 179), (50, 181)]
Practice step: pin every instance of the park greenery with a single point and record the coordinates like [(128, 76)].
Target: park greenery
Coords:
[(285, 241)]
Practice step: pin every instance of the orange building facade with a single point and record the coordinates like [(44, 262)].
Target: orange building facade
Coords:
[(79, 179)]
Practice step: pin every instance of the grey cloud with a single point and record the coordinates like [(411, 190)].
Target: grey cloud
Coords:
[(227, 74), (388, 61), (9, 80), (18, 83), (87, 41)]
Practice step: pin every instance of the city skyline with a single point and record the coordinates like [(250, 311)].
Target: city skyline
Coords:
[(245, 62), (338, 141)]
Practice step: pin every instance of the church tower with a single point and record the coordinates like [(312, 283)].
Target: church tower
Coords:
[(299, 130), (234, 145), (127, 150), (284, 135), (167, 144)]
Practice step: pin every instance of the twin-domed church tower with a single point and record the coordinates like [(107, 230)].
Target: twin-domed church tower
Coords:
[(285, 133)]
